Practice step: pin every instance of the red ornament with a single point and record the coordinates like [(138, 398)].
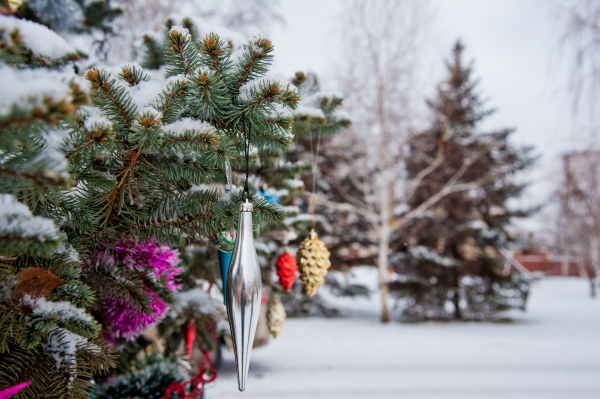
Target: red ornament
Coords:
[(286, 270), (189, 332)]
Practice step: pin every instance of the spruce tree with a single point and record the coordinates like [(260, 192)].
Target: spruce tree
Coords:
[(287, 175), (319, 117), (47, 333), (88, 188), (451, 259), (274, 174), (279, 175)]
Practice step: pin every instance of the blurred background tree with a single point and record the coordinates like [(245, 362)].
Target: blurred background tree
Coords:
[(371, 181), (576, 234), (579, 25), (453, 255)]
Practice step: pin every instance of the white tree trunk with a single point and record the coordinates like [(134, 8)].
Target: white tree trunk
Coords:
[(382, 265), (594, 262), (384, 244)]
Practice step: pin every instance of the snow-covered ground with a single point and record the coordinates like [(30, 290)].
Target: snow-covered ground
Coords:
[(551, 351)]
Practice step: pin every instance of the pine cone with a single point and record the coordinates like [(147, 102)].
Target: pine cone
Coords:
[(276, 317), (313, 262)]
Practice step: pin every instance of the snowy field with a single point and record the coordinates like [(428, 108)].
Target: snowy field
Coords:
[(551, 351)]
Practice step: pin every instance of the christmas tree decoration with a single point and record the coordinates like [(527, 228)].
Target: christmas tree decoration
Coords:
[(313, 256), (224, 261), (189, 333), (313, 262), (243, 293), (123, 320), (149, 266), (268, 196), (224, 247), (14, 5), (286, 269), (207, 372), (11, 391), (276, 317)]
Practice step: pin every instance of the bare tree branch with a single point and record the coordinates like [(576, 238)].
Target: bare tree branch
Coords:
[(347, 207)]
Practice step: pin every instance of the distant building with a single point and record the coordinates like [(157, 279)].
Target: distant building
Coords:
[(552, 265)]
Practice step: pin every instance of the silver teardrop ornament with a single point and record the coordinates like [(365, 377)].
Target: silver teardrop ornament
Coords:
[(243, 293)]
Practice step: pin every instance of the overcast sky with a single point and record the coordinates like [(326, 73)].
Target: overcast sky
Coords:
[(514, 44)]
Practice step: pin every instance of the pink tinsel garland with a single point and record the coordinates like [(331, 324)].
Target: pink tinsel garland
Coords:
[(122, 319), (11, 391)]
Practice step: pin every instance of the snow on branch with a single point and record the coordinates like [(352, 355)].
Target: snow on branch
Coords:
[(61, 311), (32, 89), (187, 125), (17, 222), (422, 252), (62, 346), (42, 42), (180, 30), (257, 88)]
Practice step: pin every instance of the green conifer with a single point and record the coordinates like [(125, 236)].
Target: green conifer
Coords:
[(134, 163), (452, 258)]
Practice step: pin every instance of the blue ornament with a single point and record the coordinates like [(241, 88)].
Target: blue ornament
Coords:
[(269, 197), (224, 260)]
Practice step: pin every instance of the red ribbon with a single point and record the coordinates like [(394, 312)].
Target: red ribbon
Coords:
[(197, 382)]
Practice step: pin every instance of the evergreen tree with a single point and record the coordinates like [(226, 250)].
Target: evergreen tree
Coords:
[(286, 175), (451, 258), (47, 333), (276, 173), (318, 118), (103, 185)]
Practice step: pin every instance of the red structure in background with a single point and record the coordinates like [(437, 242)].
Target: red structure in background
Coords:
[(552, 265)]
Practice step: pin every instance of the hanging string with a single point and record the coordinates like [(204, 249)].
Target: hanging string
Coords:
[(314, 160), (314, 203), (247, 153)]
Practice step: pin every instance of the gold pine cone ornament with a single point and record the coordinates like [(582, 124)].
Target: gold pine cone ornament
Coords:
[(14, 5), (313, 262), (276, 317)]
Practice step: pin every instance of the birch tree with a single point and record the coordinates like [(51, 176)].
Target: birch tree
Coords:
[(578, 194), (579, 216), (578, 22)]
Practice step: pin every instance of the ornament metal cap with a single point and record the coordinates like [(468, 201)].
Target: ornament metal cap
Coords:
[(243, 293), (246, 207)]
